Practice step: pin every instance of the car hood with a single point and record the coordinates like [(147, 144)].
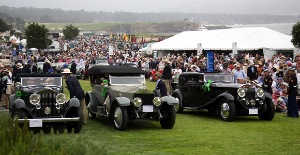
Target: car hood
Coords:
[(227, 85)]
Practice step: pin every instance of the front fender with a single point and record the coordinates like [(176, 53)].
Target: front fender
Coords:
[(225, 95), (11, 100), (19, 104), (170, 100), (90, 97), (122, 101), (267, 95), (74, 102)]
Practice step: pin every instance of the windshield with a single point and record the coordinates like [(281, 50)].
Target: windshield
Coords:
[(101, 61), (45, 81), (127, 80), (219, 78)]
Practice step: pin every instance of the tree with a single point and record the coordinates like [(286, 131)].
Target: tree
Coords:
[(70, 32), (37, 36), (296, 35), (4, 26)]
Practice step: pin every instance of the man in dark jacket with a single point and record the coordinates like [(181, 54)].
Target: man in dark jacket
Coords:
[(252, 71), (18, 70), (76, 91), (46, 66), (167, 75), (292, 92), (160, 85), (73, 67)]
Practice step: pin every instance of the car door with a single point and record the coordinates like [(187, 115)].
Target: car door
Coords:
[(194, 91)]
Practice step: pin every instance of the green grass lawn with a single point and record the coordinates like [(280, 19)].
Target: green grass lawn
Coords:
[(195, 132)]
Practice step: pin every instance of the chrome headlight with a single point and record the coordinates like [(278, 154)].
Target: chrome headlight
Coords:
[(241, 92), (18, 84), (156, 101), (35, 99), (137, 102), (61, 98), (260, 92)]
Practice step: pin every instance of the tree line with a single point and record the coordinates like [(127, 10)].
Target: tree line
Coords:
[(81, 16)]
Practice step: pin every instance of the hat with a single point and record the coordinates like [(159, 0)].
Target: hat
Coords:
[(167, 61), (280, 78), (66, 71), (266, 70), (158, 74), (19, 66), (251, 63)]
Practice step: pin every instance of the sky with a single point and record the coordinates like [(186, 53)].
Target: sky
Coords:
[(278, 7)]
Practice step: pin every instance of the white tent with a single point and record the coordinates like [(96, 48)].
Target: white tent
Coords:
[(246, 39)]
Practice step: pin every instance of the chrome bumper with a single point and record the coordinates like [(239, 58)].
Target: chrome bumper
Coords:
[(74, 119)]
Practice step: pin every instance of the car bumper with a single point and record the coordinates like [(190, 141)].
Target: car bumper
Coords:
[(73, 119)]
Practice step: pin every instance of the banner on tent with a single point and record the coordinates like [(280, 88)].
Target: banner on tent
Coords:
[(210, 62)]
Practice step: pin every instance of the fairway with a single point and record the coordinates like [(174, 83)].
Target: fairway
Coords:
[(195, 132)]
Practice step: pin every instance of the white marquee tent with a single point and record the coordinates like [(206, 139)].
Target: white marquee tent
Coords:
[(246, 39)]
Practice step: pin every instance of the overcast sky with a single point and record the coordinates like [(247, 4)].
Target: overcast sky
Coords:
[(290, 7)]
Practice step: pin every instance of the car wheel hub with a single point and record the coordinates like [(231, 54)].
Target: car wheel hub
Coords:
[(225, 110), (118, 119)]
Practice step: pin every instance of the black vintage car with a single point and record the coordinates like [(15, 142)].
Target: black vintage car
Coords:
[(218, 93), (39, 99), (119, 93)]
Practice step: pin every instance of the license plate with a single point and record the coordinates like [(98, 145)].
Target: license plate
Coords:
[(35, 123), (147, 108), (253, 111)]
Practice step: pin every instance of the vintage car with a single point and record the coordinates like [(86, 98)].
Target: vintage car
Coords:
[(217, 92), (119, 93), (39, 99), (99, 61), (80, 70)]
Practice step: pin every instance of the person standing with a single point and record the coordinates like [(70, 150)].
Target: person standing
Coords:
[(76, 91), (239, 75), (267, 83), (252, 72), (6, 83), (292, 93), (160, 84), (167, 75), (73, 67), (46, 66), (1, 85)]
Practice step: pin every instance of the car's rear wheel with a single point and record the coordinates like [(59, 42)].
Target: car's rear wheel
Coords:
[(269, 113), (76, 125), (178, 107), (120, 117), (169, 115), (226, 110)]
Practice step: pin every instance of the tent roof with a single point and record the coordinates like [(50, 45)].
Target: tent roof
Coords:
[(246, 38)]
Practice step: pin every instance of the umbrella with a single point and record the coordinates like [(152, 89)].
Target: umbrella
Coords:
[(33, 49)]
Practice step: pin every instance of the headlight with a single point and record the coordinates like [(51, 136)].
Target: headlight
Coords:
[(260, 92), (61, 98), (241, 92), (156, 101), (137, 102), (18, 84), (35, 99)]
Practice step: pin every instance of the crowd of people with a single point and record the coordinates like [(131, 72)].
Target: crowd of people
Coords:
[(276, 75)]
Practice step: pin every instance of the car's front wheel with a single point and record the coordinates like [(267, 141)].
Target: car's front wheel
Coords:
[(226, 110), (18, 114), (169, 115), (120, 117), (76, 125), (270, 111), (178, 107), (90, 114)]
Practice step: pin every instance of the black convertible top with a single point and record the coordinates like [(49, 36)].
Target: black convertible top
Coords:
[(121, 69), (38, 75)]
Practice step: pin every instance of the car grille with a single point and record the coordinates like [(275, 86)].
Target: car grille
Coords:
[(48, 99), (250, 93), (146, 98)]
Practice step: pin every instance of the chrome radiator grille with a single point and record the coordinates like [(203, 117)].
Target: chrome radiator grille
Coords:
[(47, 100)]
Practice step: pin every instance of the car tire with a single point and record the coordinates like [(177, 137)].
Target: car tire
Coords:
[(18, 114), (169, 115), (91, 115), (268, 115), (226, 110), (178, 107), (76, 125), (120, 117)]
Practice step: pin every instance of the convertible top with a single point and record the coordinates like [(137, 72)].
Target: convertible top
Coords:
[(38, 75), (121, 69)]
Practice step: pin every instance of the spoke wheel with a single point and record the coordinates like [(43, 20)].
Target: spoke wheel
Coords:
[(120, 118), (226, 110)]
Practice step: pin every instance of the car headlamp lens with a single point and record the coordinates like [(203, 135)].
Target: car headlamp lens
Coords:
[(156, 101), (35, 99), (18, 84), (61, 98), (260, 92), (137, 102), (241, 92)]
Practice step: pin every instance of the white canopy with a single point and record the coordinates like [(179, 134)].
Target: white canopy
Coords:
[(246, 38)]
